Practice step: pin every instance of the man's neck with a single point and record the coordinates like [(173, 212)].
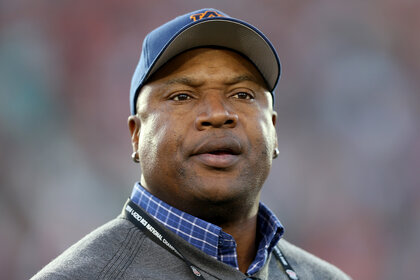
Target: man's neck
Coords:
[(239, 219), (245, 235)]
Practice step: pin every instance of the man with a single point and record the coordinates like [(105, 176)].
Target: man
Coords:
[(202, 128)]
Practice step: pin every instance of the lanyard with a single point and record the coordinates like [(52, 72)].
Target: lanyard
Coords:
[(154, 231), (291, 274)]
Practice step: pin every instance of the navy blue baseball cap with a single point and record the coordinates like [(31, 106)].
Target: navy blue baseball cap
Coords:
[(204, 28)]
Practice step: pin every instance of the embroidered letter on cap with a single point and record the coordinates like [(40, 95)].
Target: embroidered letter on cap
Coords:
[(206, 14)]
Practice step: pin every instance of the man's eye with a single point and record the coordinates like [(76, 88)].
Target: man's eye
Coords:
[(243, 95), (181, 97)]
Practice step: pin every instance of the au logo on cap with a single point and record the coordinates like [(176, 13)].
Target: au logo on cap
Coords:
[(205, 14)]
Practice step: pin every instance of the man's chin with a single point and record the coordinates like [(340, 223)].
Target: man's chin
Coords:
[(222, 207), (222, 195)]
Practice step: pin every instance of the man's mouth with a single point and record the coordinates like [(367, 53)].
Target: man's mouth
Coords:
[(221, 152), (218, 153)]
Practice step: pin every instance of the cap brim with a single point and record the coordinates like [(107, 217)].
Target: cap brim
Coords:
[(229, 33)]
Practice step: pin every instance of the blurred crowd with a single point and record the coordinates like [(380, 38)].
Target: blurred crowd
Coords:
[(346, 183)]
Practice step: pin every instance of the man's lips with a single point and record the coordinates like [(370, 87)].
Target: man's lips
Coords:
[(218, 152)]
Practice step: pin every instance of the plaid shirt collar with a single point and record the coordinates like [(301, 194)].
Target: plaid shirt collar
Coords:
[(208, 237)]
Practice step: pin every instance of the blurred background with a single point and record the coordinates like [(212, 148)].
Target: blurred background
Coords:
[(346, 183)]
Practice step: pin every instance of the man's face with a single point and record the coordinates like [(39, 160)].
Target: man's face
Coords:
[(204, 131)]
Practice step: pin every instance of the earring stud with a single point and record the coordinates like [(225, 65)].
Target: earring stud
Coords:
[(135, 157)]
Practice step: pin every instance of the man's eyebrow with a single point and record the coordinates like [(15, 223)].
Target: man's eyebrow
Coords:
[(241, 78), (183, 80), (196, 83)]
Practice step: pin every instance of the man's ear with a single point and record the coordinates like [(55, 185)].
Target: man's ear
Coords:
[(134, 127)]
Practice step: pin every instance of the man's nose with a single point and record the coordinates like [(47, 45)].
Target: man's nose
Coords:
[(214, 113)]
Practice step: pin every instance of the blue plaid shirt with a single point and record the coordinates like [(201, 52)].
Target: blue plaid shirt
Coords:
[(208, 237)]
